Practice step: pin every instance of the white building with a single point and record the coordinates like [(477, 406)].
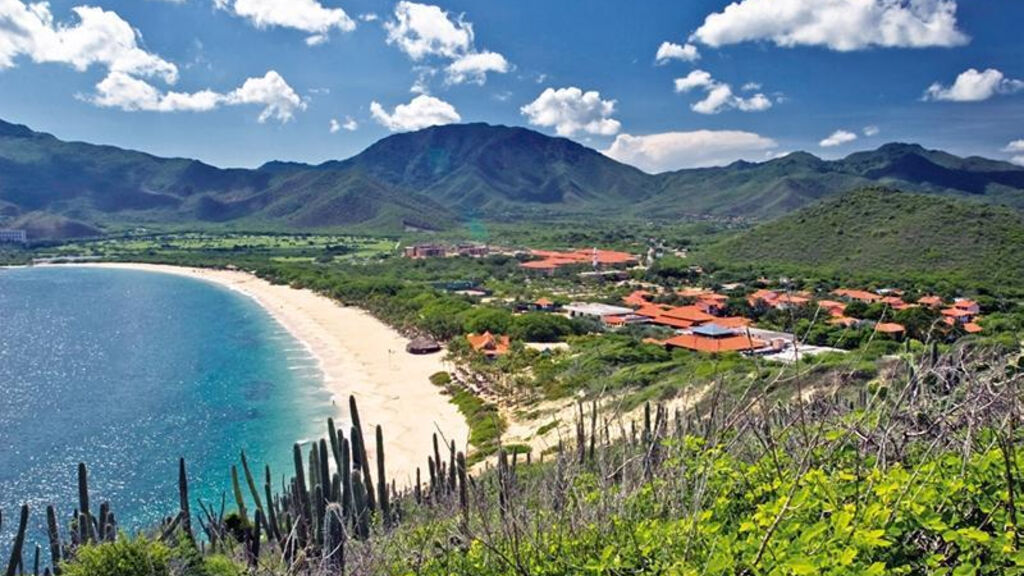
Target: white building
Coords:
[(13, 237), (595, 310)]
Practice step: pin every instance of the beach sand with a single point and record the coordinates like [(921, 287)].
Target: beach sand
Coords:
[(358, 355)]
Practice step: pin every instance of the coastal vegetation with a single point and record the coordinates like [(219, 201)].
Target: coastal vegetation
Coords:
[(917, 473)]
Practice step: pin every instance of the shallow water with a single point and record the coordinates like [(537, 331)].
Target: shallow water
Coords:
[(127, 371)]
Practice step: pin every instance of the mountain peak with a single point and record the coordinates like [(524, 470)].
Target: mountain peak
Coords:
[(15, 130)]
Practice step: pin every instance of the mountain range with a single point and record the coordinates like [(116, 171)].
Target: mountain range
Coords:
[(437, 177)]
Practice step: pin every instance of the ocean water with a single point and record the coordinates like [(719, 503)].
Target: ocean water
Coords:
[(127, 371)]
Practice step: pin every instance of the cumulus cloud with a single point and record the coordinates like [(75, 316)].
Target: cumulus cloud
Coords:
[(870, 131), (1017, 148), (426, 31), (838, 138), (842, 25), (125, 92), (670, 51), (100, 38), (571, 110), (474, 67), (421, 112), (974, 86), (422, 30), (308, 16), (349, 124), (656, 153), (719, 95)]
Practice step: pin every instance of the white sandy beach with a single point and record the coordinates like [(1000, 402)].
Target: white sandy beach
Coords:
[(358, 355)]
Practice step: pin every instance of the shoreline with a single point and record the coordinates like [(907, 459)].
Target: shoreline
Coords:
[(357, 355)]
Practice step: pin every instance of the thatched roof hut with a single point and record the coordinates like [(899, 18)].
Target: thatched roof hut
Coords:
[(422, 345)]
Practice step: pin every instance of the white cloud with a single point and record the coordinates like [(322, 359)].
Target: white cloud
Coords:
[(870, 131), (842, 25), (120, 90), (308, 16), (670, 51), (1015, 146), (422, 30), (751, 86), (571, 110), (474, 67), (974, 86), (421, 112), (100, 37), (425, 31), (656, 153), (719, 95), (838, 138), (349, 124), (369, 17)]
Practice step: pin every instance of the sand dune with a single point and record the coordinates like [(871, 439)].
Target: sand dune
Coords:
[(358, 355)]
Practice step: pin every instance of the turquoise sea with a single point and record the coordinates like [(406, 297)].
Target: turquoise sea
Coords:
[(127, 371)]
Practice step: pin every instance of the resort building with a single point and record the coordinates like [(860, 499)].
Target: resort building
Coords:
[(488, 344), (712, 338), (550, 260), (425, 251), (596, 310), (13, 237)]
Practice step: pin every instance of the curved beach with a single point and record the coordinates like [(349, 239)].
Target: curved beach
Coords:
[(358, 355)]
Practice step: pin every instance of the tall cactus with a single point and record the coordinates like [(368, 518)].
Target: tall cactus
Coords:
[(186, 511), (85, 528), (302, 494), (273, 528), (53, 532), (346, 480), (236, 488), (364, 465), (382, 480), (251, 482), (19, 543), (334, 539), (361, 506)]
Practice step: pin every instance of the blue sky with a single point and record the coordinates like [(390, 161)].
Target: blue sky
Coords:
[(241, 82)]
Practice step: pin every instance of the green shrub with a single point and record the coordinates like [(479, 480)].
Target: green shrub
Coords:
[(125, 557)]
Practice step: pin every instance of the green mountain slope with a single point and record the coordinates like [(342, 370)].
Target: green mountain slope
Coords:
[(779, 186), (886, 234), (436, 177)]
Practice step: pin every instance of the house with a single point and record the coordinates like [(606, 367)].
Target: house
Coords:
[(711, 338), (973, 328), (834, 308), (930, 301), (957, 316), (778, 300), (787, 301), (488, 344), (595, 310), (683, 317), (967, 305), (895, 302), (859, 295), (624, 320), (844, 321), (638, 298), (762, 297), (543, 305), (890, 328)]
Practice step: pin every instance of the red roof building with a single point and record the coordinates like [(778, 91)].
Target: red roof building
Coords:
[(488, 344), (890, 328), (861, 295), (714, 339), (930, 301)]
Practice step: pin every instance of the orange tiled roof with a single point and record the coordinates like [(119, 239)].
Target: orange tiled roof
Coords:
[(488, 343), (965, 304), (614, 320), (733, 322), (544, 303), (972, 328), (956, 313), (862, 295), (895, 302), (791, 299), (737, 343), (663, 320), (650, 310), (934, 301), (586, 256), (765, 295), (844, 321), (637, 298), (889, 328), (691, 314)]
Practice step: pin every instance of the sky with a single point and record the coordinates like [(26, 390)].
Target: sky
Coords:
[(659, 84)]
